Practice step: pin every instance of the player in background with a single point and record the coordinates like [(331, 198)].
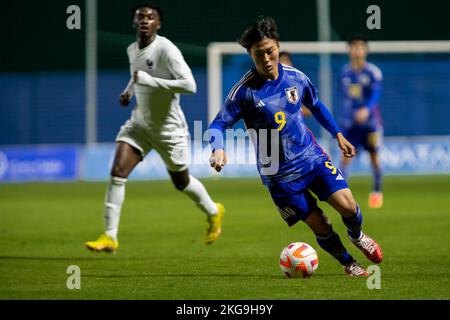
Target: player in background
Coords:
[(286, 58), (361, 120), (269, 96), (159, 74)]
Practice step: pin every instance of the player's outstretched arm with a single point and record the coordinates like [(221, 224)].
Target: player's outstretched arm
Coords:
[(218, 159), (185, 84), (324, 117), (228, 115), (348, 150), (363, 113)]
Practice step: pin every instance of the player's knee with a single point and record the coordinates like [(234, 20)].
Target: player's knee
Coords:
[(180, 179), (119, 171), (349, 207), (180, 185)]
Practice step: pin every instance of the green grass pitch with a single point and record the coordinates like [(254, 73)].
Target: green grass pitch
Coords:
[(162, 256)]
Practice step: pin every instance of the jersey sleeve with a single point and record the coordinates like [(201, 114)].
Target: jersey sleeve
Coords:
[(130, 86), (175, 62), (375, 87), (343, 86), (324, 117), (318, 109), (310, 94), (228, 115), (131, 58), (182, 79)]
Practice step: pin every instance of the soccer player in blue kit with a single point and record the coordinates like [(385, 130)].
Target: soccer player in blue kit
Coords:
[(361, 120), (269, 97)]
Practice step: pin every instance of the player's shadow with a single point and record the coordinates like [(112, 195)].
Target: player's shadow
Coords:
[(203, 275), (157, 275), (179, 275), (71, 259)]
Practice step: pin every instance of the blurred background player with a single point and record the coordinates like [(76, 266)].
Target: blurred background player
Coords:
[(286, 58), (159, 74), (361, 120), (269, 97)]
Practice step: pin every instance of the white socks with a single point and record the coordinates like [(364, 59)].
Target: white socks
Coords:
[(115, 194), (197, 192)]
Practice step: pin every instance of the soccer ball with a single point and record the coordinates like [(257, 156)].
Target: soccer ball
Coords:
[(299, 260)]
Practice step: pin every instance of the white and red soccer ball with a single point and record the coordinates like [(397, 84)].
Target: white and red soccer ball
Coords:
[(299, 260)]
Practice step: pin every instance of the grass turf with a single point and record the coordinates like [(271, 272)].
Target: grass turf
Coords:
[(162, 256)]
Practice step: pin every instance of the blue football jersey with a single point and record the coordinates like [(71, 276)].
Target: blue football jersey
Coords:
[(264, 104), (361, 88)]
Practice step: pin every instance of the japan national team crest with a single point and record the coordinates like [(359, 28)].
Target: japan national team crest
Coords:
[(292, 95)]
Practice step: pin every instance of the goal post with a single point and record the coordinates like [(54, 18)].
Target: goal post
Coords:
[(216, 51)]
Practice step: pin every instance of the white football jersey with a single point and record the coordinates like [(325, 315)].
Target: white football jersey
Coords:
[(157, 108)]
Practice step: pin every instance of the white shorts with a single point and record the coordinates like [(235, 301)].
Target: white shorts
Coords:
[(173, 149)]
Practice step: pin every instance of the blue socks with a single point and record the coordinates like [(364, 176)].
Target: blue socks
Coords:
[(354, 224), (377, 176), (331, 243)]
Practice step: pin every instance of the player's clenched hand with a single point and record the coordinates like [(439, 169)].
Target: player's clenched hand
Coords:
[(347, 148), (143, 78), (218, 159), (362, 115), (125, 98)]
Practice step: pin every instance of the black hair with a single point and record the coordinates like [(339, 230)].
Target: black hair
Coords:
[(264, 27), (155, 7), (357, 37)]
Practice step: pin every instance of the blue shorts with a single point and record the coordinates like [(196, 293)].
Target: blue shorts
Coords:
[(363, 136), (294, 200)]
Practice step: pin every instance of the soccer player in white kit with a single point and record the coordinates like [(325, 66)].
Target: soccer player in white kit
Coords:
[(159, 74)]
